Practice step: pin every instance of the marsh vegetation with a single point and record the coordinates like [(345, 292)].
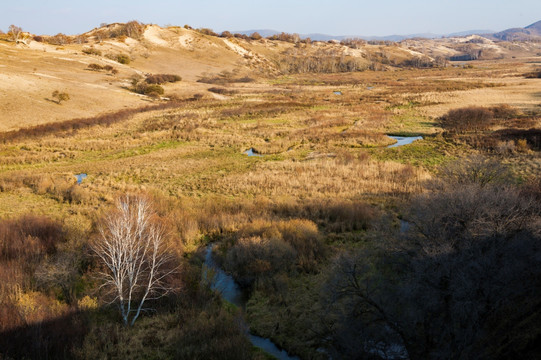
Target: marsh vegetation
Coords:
[(311, 230)]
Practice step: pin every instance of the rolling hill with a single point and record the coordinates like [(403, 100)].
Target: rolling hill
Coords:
[(32, 70)]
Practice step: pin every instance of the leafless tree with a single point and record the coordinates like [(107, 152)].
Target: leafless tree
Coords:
[(137, 261), (16, 33)]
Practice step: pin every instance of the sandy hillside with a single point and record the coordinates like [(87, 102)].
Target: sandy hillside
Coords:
[(29, 73)]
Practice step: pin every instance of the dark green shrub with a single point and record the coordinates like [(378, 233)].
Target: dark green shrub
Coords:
[(222, 91), (123, 59), (92, 51), (95, 67), (162, 78), (144, 88)]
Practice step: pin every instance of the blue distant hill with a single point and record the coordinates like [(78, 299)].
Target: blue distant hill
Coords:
[(326, 37)]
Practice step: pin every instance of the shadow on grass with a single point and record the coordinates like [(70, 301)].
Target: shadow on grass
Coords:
[(52, 339)]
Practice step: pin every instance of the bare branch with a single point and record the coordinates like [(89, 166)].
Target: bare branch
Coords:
[(132, 247)]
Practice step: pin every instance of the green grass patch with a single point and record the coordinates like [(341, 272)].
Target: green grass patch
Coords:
[(428, 153)]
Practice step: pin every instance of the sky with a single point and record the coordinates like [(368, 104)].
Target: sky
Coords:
[(333, 17)]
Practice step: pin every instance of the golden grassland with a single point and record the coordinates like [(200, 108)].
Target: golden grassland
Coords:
[(314, 143)]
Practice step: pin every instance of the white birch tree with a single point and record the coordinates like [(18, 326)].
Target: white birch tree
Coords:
[(132, 246)]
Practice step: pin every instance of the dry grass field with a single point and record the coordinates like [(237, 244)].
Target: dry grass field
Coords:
[(321, 159)]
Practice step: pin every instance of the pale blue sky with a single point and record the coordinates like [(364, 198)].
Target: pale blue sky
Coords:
[(335, 17)]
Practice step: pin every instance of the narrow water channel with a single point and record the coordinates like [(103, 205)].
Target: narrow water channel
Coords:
[(231, 292), (403, 140)]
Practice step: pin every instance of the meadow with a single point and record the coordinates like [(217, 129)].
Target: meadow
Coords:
[(314, 228)]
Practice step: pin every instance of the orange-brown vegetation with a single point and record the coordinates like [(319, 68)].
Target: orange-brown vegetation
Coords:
[(162, 78), (337, 239), (76, 124)]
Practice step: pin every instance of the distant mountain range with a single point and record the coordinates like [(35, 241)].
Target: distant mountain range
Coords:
[(526, 33), (326, 37), (532, 31)]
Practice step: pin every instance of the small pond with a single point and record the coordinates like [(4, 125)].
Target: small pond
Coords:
[(403, 140), (80, 177), (337, 93), (252, 152)]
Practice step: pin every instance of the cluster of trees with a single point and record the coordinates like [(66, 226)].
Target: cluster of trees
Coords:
[(133, 29), (353, 43), (474, 118), (259, 252), (421, 62), (469, 265), (300, 60), (291, 38)]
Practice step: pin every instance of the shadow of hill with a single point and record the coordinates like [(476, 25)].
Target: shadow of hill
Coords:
[(52, 339)]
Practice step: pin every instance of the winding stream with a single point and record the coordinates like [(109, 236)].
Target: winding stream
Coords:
[(231, 292)]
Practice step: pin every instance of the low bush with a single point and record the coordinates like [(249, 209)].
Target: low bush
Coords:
[(123, 59), (29, 236), (476, 170), (59, 39), (95, 67), (222, 91), (206, 31), (536, 74), (92, 51), (253, 259), (143, 88), (504, 112), (472, 118), (162, 79), (98, 67), (297, 240)]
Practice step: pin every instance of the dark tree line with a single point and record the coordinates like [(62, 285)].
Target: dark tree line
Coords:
[(468, 266)]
